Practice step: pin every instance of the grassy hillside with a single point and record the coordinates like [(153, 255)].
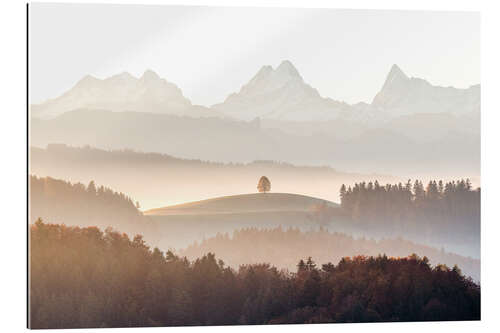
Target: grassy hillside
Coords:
[(244, 203), (183, 224), (157, 180)]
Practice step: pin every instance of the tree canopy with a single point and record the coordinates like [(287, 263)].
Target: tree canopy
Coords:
[(264, 185), (284, 247), (83, 277), (86, 205), (439, 212)]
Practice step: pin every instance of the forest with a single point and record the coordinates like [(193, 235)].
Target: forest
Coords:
[(439, 212), (84, 277), (284, 247), (60, 201)]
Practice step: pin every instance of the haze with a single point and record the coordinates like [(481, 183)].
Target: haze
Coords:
[(197, 163), (345, 54)]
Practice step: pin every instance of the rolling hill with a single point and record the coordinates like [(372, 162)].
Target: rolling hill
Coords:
[(157, 180), (282, 225), (186, 223), (244, 203)]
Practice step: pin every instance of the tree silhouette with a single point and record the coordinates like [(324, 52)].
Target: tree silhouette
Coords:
[(264, 185), (77, 204), (441, 211), (288, 245)]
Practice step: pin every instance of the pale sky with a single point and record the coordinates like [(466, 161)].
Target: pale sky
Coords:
[(210, 52)]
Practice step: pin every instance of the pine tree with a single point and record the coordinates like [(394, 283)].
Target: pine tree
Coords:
[(91, 189), (301, 266), (343, 192)]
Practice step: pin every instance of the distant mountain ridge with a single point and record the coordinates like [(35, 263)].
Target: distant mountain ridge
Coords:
[(444, 143), (280, 93), (121, 92), (401, 95), (274, 94)]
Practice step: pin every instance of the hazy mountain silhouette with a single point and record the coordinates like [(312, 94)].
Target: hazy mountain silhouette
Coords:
[(280, 94), (122, 92), (413, 145), (412, 128), (403, 95)]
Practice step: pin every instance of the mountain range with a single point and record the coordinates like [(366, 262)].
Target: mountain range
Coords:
[(273, 94), (402, 95), (121, 92), (280, 93), (410, 129)]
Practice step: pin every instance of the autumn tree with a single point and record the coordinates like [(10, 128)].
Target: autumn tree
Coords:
[(122, 282), (264, 185)]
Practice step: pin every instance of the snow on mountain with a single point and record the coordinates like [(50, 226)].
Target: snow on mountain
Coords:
[(401, 95), (121, 92), (280, 94)]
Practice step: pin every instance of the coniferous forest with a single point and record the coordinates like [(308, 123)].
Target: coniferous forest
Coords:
[(85, 205), (61, 201), (84, 277), (437, 212)]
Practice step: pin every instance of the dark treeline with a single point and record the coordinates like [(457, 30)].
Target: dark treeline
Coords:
[(438, 210), (84, 205), (283, 248), (82, 277)]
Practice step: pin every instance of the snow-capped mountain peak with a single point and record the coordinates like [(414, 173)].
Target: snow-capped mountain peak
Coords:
[(268, 79), (274, 93), (121, 92), (395, 76), (123, 76), (279, 93), (287, 69), (150, 76), (401, 95)]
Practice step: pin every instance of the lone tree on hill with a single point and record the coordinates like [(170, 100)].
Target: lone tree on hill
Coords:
[(264, 185)]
